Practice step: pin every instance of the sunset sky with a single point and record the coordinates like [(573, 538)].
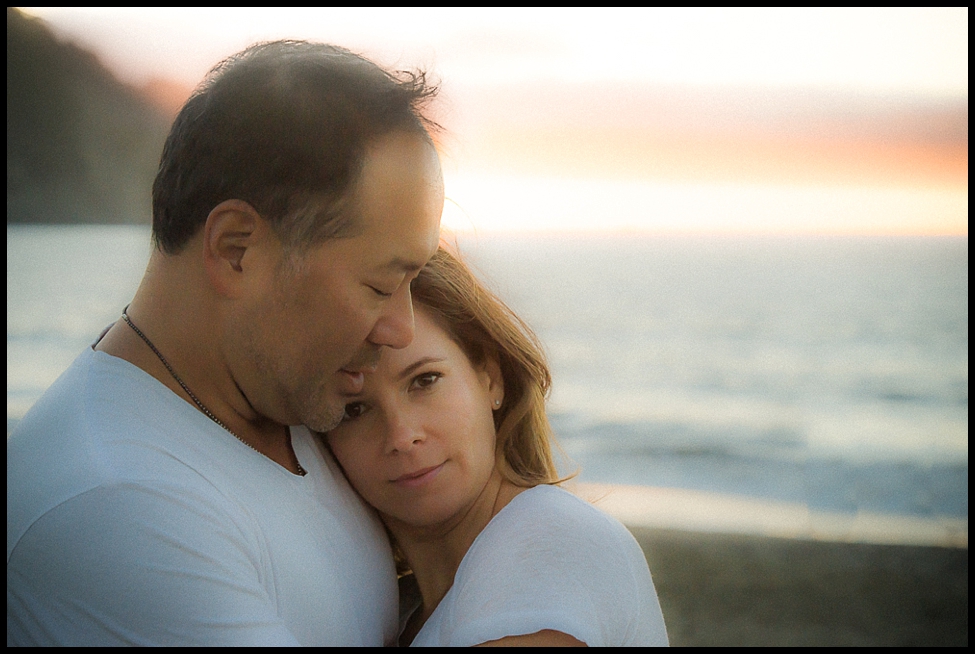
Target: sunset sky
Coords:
[(681, 120)]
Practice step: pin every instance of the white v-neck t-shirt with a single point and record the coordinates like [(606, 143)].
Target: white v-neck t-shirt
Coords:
[(133, 519), (549, 560)]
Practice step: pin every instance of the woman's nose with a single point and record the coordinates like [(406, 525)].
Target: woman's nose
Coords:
[(402, 434)]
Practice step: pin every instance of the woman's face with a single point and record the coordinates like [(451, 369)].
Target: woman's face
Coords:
[(419, 442)]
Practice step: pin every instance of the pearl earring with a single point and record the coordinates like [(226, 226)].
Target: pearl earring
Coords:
[(497, 403)]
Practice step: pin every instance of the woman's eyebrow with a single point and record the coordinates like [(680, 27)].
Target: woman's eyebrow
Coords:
[(408, 370)]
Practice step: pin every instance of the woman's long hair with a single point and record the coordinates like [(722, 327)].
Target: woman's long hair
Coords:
[(484, 327)]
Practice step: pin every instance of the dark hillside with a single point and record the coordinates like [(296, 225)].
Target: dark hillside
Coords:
[(81, 146)]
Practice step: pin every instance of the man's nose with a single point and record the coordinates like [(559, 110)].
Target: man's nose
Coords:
[(395, 327)]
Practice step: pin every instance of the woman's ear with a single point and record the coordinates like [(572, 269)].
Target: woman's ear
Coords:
[(494, 381)]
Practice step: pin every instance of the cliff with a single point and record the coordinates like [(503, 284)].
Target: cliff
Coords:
[(82, 147)]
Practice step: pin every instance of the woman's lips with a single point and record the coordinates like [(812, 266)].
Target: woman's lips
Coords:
[(418, 477)]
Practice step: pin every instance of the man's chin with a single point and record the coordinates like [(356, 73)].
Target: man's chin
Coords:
[(327, 420)]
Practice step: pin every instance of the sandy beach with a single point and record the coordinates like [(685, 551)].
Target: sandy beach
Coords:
[(831, 581)]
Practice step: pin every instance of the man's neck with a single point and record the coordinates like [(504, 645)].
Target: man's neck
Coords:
[(183, 327)]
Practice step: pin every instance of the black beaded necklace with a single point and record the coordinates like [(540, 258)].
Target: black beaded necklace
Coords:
[(206, 411)]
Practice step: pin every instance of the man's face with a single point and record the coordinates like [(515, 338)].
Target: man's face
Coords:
[(323, 318)]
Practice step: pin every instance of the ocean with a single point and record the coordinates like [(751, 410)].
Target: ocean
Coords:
[(830, 371)]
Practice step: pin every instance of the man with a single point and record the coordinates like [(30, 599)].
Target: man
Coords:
[(156, 494)]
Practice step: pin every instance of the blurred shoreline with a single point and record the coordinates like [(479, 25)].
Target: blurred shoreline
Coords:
[(733, 571), (656, 508)]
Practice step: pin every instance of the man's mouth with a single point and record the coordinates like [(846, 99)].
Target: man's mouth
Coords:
[(366, 361), (355, 371), (354, 382)]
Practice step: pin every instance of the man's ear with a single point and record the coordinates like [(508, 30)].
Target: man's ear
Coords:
[(233, 233)]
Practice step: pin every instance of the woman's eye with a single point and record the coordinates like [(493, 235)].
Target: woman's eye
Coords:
[(380, 293), (353, 410), (426, 380)]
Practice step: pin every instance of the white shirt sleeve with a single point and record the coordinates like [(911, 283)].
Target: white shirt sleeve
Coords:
[(550, 561)]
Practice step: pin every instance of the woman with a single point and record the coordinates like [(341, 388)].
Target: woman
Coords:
[(450, 443)]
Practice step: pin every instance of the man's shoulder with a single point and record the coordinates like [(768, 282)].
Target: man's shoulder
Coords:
[(98, 401), (97, 426), (48, 455), (94, 383)]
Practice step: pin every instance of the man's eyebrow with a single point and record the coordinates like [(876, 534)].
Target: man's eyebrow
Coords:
[(410, 369)]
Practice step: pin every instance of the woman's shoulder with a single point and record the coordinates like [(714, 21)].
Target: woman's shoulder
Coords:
[(551, 560), (553, 509), (549, 522)]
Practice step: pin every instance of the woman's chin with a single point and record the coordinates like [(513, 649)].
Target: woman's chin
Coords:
[(418, 517)]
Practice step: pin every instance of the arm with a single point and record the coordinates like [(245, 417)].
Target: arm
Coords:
[(544, 638)]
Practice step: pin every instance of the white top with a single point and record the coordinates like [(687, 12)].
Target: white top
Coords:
[(132, 518), (549, 560)]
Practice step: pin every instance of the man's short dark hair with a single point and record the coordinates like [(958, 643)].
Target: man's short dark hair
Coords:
[(283, 126)]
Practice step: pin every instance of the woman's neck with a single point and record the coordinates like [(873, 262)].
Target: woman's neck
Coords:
[(434, 552)]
